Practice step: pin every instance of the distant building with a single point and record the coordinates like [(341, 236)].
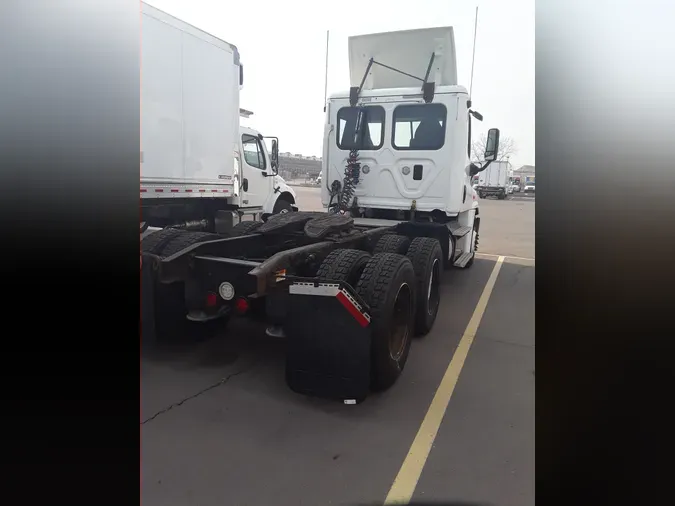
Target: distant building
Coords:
[(524, 172)]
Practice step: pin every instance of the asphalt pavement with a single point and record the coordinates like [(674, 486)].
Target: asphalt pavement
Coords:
[(220, 427)]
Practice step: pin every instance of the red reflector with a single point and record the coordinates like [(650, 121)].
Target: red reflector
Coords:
[(211, 299), (241, 305)]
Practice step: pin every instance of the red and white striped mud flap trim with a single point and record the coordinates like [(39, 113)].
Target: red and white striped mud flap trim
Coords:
[(333, 290)]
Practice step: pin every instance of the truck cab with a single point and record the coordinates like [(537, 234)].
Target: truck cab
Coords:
[(414, 144), (256, 175), (410, 150), (396, 145)]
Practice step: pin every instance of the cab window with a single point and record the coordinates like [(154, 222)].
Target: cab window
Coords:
[(372, 130), (253, 151), (419, 127)]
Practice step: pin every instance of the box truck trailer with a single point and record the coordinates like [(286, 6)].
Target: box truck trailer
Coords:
[(495, 180)]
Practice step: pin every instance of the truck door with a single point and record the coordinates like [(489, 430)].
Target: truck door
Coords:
[(255, 168)]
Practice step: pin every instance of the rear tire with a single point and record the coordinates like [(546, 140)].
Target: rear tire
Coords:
[(387, 285), (244, 228), (344, 265), (155, 242), (426, 256), (392, 243), (186, 239)]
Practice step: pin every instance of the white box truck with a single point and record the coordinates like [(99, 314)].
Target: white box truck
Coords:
[(494, 181), (200, 170), (529, 184)]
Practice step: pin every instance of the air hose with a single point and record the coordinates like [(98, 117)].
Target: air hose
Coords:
[(351, 175)]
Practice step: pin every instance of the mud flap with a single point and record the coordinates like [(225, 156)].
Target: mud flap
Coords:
[(147, 316), (328, 342)]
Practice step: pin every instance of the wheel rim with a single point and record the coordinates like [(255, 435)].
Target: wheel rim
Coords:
[(402, 314), (433, 295)]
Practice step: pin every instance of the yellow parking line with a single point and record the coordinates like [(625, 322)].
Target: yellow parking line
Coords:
[(404, 485), (527, 262), (479, 255)]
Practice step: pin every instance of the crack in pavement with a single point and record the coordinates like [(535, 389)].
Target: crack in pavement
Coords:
[(203, 391), (510, 343)]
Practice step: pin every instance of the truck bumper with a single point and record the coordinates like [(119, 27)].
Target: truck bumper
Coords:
[(491, 190)]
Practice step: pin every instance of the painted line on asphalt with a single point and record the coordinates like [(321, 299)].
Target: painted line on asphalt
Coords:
[(406, 481), (490, 255)]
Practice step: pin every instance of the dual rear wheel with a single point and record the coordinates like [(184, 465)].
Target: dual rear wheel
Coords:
[(386, 283), (402, 290)]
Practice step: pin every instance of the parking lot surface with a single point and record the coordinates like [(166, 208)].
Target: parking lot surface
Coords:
[(220, 427)]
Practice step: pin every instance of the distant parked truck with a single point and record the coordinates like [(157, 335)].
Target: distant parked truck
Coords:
[(494, 181), (517, 186), (529, 184)]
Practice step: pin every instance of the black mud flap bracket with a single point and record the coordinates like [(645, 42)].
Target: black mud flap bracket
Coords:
[(329, 333)]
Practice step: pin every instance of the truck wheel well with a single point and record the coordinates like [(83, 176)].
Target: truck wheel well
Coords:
[(287, 197)]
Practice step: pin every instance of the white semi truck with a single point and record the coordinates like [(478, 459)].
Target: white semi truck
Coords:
[(409, 123), (200, 169), (349, 288), (495, 181)]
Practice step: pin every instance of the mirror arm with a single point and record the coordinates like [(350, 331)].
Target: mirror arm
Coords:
[(487, 164), (479, 168)]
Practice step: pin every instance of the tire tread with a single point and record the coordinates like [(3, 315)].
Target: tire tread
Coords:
[(421, 253), (343, 265), (374, 288), (392, 243)]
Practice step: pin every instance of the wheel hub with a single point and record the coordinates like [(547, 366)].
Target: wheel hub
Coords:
[(401, 318), (433, 294)]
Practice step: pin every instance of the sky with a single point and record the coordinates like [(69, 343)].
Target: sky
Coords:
[(283, 51)]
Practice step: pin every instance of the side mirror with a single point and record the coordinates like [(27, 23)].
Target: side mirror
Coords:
[(275, 153), (492, 145), (476, 115), (473, 170)]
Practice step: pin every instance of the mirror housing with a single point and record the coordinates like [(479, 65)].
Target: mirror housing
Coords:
[(274, 155), (473, 170), (492, 145)]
